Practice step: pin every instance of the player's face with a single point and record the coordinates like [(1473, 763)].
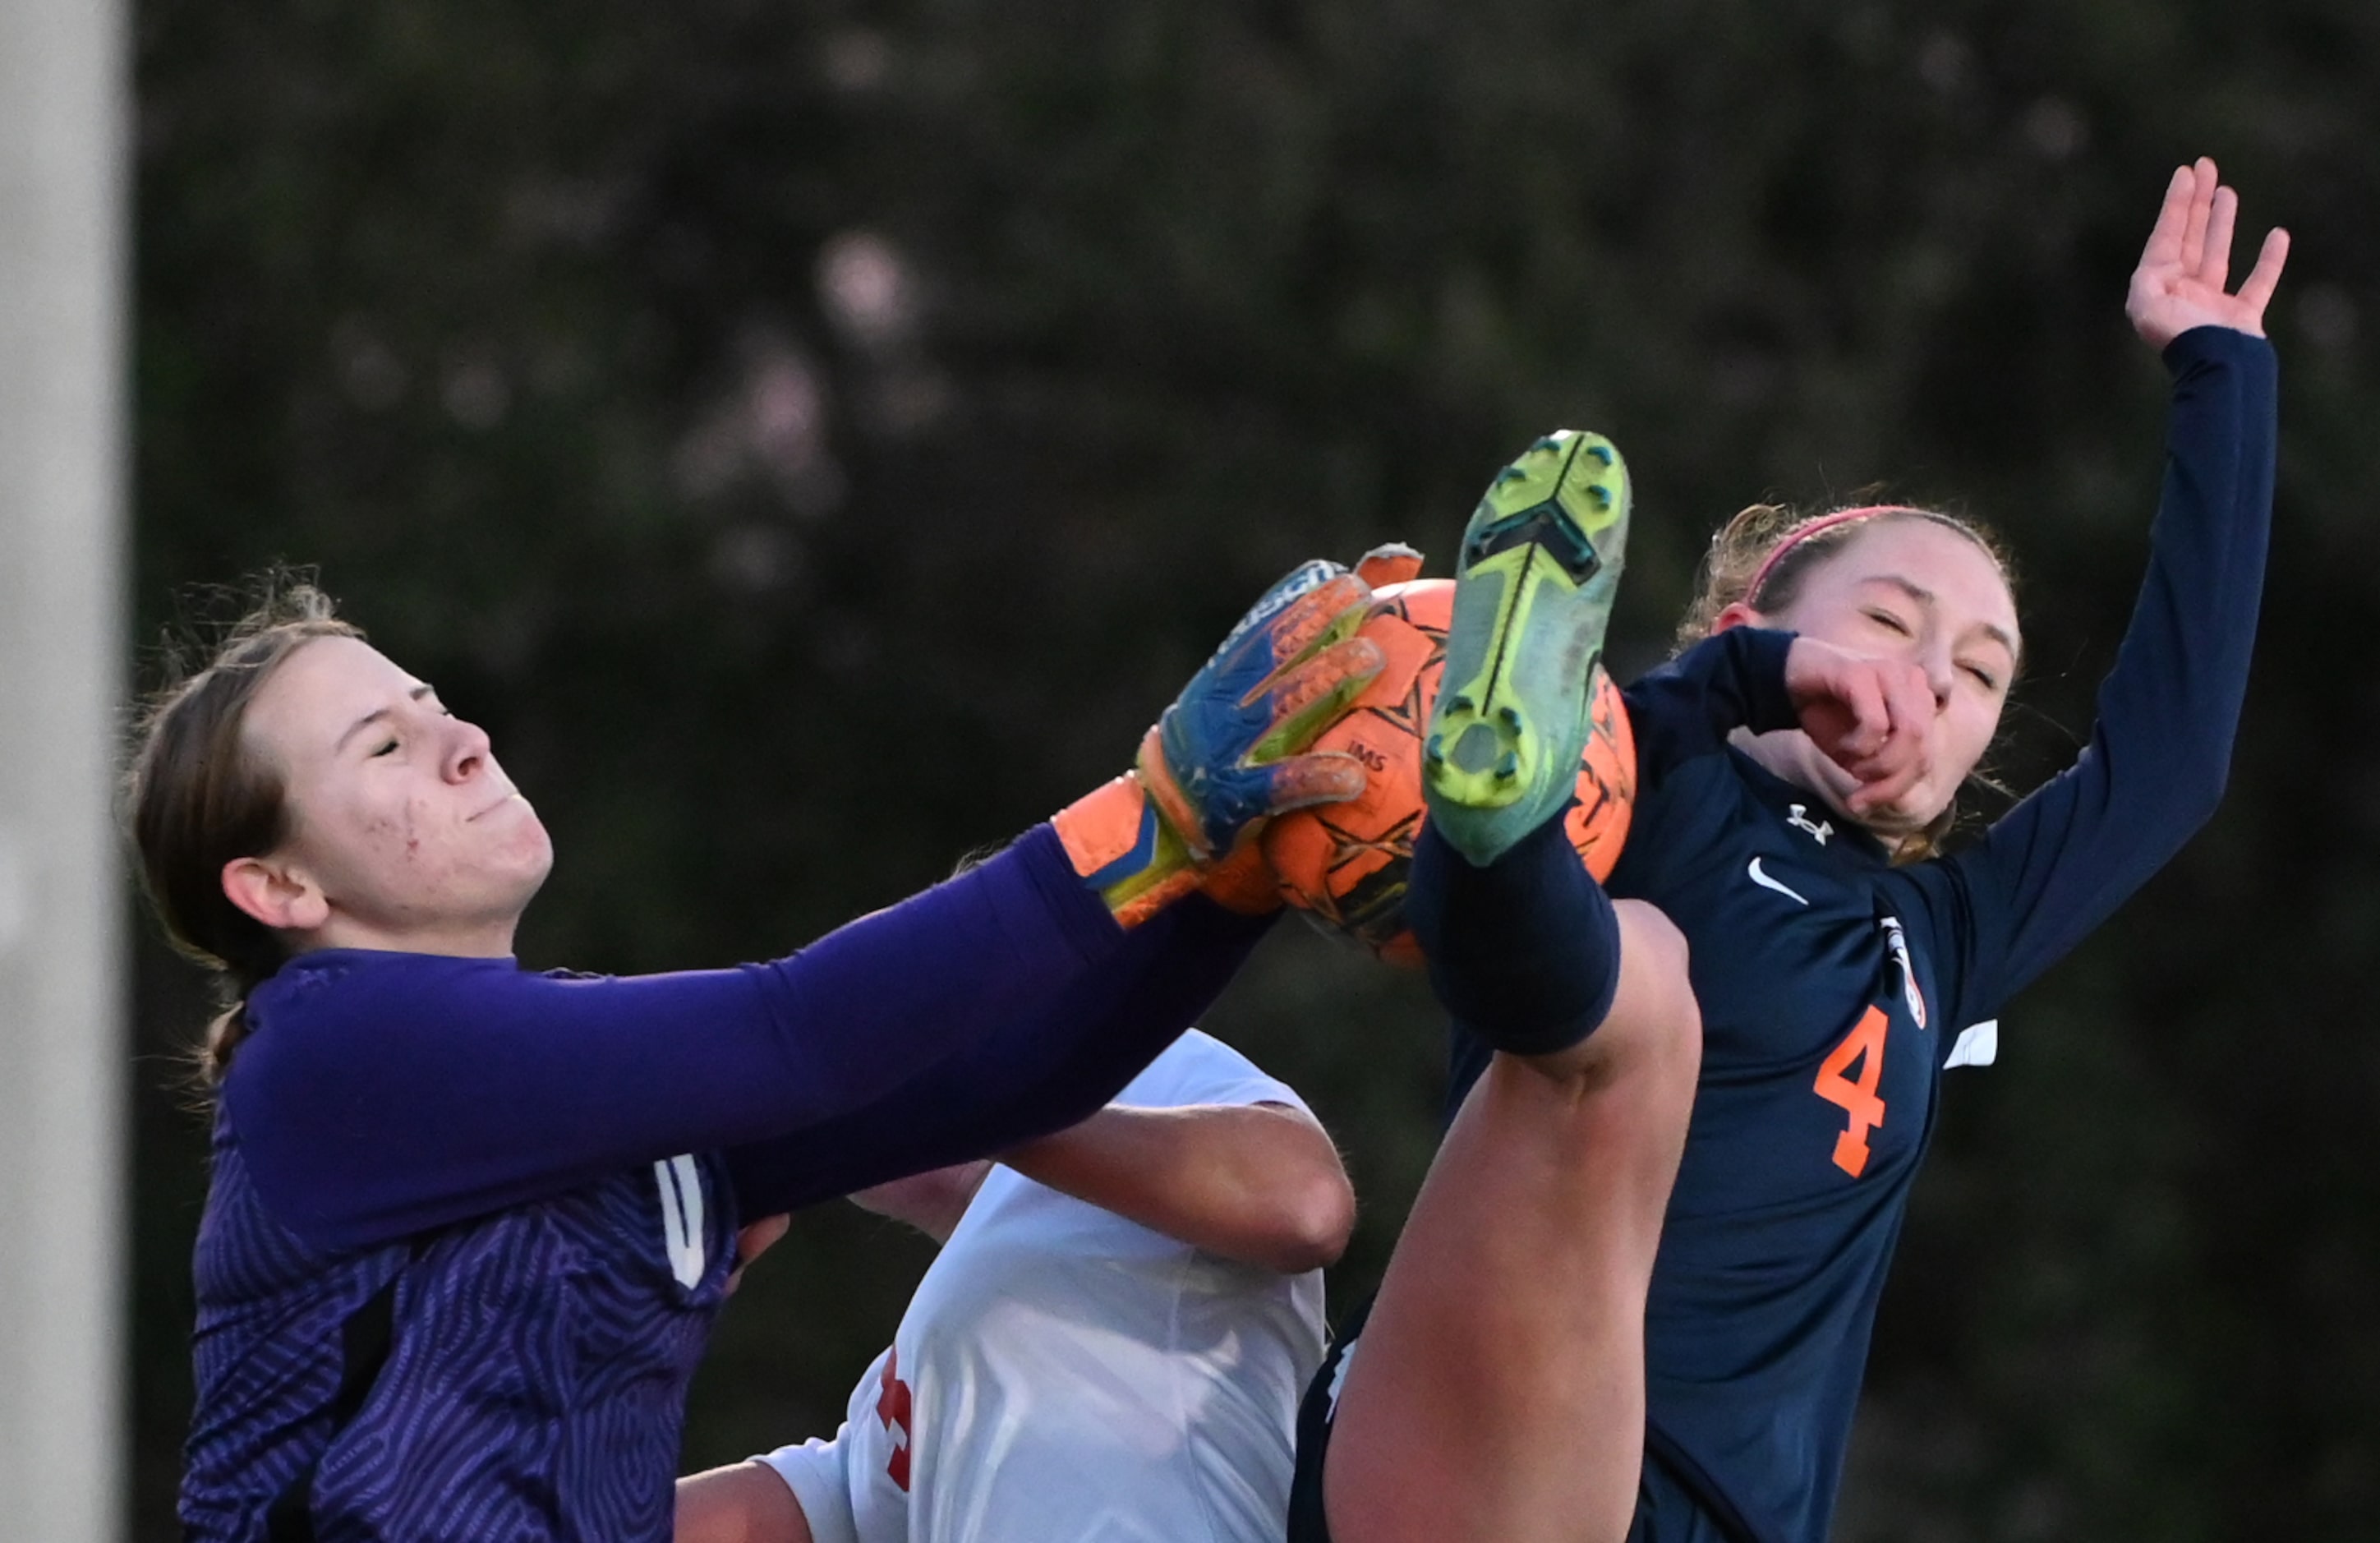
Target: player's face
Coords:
[(1915, 590), (398, 812)]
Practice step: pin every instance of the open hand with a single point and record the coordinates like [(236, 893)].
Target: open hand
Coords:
[(2180, 284), (1872, 717), (1232, 752)]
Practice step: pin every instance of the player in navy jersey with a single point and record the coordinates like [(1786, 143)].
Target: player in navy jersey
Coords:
[(1635, 1296), (467, 1225)]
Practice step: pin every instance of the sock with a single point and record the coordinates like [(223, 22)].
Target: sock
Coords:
[(1525, 951)]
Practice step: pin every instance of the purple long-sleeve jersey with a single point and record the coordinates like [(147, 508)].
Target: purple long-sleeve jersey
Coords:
[(468, 1225)]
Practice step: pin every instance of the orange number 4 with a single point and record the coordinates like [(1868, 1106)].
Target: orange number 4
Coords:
[(1864, 1044)]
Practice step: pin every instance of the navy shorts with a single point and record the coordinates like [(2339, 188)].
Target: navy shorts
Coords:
[(1667, 1512)]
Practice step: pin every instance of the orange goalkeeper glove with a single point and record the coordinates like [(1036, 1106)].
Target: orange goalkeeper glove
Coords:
[(1230, 753)]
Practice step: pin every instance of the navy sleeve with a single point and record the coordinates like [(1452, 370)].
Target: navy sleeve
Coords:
[(1040, 1074), (381, 1094), (1688, 707), (2060, 862)]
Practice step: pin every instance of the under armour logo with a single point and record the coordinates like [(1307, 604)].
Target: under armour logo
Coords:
[(1799, 820)]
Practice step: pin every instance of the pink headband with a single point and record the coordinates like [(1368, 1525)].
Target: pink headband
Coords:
[(1808, 529)]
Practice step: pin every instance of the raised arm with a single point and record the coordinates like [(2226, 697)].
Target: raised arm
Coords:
[(410, 1091), (1257, 1183), (1037, 1073), (1237, 1169), (1688, 707), (2059, 863), (382, 1094), (1865, 716)]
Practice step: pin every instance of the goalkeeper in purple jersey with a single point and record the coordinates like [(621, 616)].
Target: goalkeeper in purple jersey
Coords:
[(1634, 1294), (467, 1225)]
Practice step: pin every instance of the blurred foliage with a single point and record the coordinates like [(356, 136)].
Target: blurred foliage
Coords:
[(815, 439)]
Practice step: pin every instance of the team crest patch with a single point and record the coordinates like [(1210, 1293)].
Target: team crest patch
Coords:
[(1898, 941)]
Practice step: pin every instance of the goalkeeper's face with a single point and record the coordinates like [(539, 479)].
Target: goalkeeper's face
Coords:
[(401, 830)]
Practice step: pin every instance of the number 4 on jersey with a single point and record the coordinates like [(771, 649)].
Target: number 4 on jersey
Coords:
[(1864, 1044)]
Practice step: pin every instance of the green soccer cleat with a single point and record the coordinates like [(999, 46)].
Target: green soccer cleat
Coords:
[(1534, 584)]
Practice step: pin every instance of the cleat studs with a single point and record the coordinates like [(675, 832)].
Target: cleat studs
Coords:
[(1435, 751), (1511, 717), (1602, 497), (1507, 766), (1601, 452), (1461, 704)]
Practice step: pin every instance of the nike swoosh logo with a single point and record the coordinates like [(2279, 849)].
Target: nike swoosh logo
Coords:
[(1766, 882)]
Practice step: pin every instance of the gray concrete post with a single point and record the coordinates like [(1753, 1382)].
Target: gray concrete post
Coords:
[(62, 1046)]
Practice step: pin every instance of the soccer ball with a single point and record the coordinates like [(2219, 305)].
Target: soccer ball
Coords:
[(1346, 863)]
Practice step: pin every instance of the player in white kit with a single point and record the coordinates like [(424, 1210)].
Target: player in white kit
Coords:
[(1112, 1348)]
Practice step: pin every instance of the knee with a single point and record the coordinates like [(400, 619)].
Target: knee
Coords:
[(1651, 1041), (1655, 962), (1647, 928)]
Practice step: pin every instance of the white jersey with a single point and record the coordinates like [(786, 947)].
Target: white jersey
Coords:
[(1064, 1374)]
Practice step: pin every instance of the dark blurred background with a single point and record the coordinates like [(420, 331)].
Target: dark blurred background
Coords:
[(815, 439)]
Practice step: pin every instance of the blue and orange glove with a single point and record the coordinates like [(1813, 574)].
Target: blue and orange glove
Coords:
[(1230, 752)]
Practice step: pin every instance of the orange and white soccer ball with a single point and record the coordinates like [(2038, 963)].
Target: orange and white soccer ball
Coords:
[(1346, 863)]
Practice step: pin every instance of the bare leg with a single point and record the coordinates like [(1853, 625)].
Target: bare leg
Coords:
[(1498, 1389)]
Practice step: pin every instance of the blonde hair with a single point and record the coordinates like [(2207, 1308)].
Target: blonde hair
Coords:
[(1763, 556), (1777, 547)]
